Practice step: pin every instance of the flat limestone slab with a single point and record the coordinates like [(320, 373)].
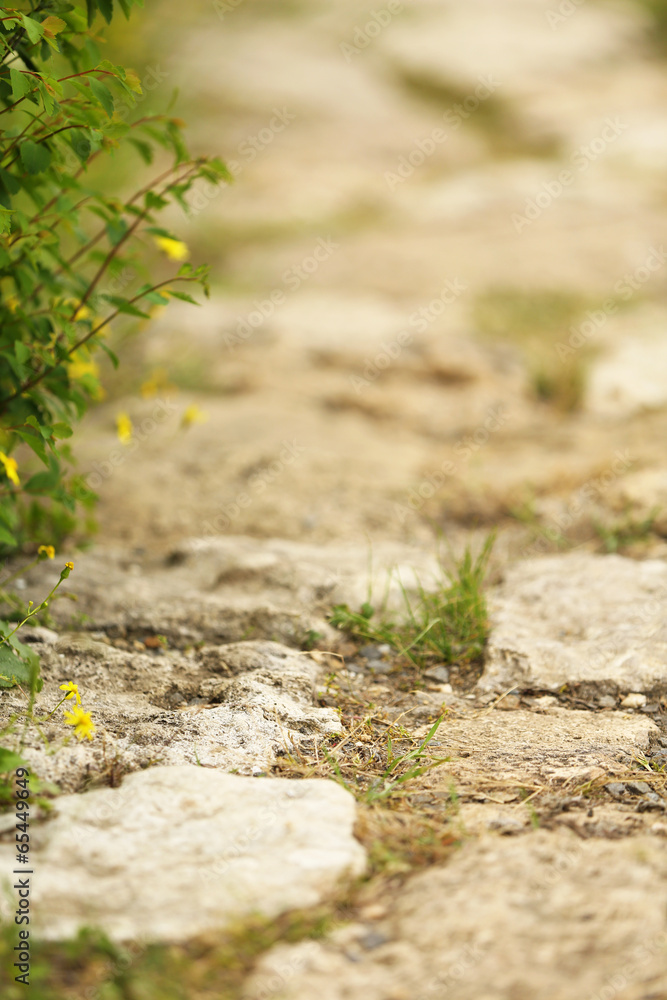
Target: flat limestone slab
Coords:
[(177, 851), (544, 917), (579, 618)]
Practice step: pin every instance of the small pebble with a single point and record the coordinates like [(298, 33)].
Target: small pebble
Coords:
[(384, 649), (638, 787), (606, 701), (508, 703), (545, 701), (634, 700), (378, 667), (355, 668), (373, 940), (370, 652), (615, 788), (437, 673)]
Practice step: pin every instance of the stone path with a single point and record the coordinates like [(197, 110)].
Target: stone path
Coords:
[(394, 382)]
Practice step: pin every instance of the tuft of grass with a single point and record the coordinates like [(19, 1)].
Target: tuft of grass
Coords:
[(398, 770), (625, 532), (537, 322), (448, 624), (91, 965)]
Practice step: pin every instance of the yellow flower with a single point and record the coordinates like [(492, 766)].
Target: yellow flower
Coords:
[(47, 550), (124, 428), (10, 468), (81, 365), (193, 415), (12, 303), (83, 312), (73, 690), (174, 249), (158, 382), (82, 722), (70, 566)]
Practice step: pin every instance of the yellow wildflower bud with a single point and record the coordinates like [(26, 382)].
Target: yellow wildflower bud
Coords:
[(124, 428), (10, 467), (46, 552), (174, 249), (73, 691), (193, 415)]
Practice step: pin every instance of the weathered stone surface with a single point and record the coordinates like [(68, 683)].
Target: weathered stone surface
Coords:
[(552, 751), (234, 707), (222, 589), (579, 618), (177, 851), (643, 495), (544, 918), (631, 375)]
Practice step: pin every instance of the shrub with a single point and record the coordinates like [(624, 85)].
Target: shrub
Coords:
[(67, 245)]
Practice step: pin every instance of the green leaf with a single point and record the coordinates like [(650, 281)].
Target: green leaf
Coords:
[(153, 200), (61, 430), (35, 156), (106, 9), (12, 183), (42, 482), (126, 307), (6, 538), (80, 143), (20, 84), (22, 352), (35, 442), (9, 761), (144, 150), (110, 354), (103, 95), (184, 297), (116, 229), (33, 28), (14, 670)]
